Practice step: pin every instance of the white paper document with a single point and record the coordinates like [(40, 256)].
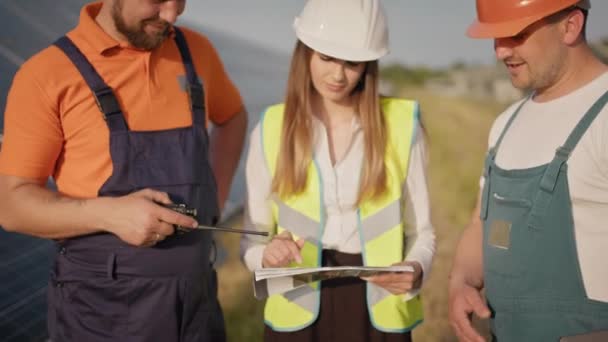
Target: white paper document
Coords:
[(270, 281)]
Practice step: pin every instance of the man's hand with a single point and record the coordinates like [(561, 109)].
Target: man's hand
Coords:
[(139, 219), (466, 280), (466, 300), (282, 250), (399, 283)]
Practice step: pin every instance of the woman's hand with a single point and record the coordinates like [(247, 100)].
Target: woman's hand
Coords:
[(399, 283), (282, 250)]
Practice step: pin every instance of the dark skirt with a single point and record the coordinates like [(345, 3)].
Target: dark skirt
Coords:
[(343, 314)]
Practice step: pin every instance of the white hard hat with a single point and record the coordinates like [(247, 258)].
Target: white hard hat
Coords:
[(352, 30)]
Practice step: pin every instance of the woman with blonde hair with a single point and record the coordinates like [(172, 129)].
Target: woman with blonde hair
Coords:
[(337, 175)]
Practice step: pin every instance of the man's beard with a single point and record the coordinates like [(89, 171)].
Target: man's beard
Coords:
[(136, 36)]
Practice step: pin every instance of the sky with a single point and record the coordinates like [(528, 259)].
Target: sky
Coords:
[(422, 32)]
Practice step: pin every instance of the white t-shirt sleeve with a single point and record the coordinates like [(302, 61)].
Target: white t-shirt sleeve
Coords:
[(258, 206), (419, 233)]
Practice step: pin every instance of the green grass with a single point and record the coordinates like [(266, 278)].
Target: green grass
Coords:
[(457, 132), (242, 312), (401, 75)]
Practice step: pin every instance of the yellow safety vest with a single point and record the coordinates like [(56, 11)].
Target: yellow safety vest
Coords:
[(380, 226)]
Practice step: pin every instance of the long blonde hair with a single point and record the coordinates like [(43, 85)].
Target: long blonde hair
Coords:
[(295, 154)]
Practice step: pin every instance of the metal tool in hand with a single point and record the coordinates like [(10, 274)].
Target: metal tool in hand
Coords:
[(182, 209), (233, 230)]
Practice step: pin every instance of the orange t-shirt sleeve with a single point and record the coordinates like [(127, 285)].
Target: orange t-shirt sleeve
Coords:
[(32, 129), (223, 98)]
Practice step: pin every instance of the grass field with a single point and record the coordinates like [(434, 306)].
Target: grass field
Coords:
[(456, 131)]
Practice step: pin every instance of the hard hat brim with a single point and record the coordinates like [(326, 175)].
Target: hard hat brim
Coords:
[(340, 52), (511, 28)]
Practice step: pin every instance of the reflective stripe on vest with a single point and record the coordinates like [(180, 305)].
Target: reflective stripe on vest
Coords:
[(380, 226)]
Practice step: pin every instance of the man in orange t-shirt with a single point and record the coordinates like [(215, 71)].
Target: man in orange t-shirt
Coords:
[(116, 113)]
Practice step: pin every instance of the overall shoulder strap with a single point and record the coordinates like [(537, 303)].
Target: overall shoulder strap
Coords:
[(194, 87), (104, 96)]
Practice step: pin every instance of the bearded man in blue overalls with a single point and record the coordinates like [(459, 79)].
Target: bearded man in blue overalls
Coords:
[(116, 112)]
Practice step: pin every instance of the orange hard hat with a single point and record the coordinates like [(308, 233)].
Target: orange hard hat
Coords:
[(506, 18)]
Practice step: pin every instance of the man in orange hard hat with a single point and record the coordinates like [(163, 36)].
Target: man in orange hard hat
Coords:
[(537, 240)]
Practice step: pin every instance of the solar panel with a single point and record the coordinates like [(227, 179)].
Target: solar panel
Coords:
[(28, 26), (24, 267)]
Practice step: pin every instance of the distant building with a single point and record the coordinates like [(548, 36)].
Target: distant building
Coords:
[(601, 49), (489, 81), (386, 88), (480, 82)]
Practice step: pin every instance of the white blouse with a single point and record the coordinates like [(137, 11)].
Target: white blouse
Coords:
[(341, 186)]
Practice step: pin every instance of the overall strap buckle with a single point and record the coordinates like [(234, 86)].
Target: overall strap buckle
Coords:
[(107, 102), (196, 95)]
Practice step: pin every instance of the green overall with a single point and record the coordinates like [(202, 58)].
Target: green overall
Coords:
[(532, 275)]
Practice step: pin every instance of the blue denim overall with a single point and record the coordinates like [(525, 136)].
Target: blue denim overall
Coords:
[(532, 275), (103, 289)]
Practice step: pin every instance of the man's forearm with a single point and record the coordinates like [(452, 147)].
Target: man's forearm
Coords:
[(30, 208), (225, 152), (468, 260)]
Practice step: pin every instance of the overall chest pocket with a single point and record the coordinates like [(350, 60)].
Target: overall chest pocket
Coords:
[(509, 245)]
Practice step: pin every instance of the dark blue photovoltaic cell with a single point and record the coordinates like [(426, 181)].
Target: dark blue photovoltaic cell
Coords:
[(24, 268), (27, 27)]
